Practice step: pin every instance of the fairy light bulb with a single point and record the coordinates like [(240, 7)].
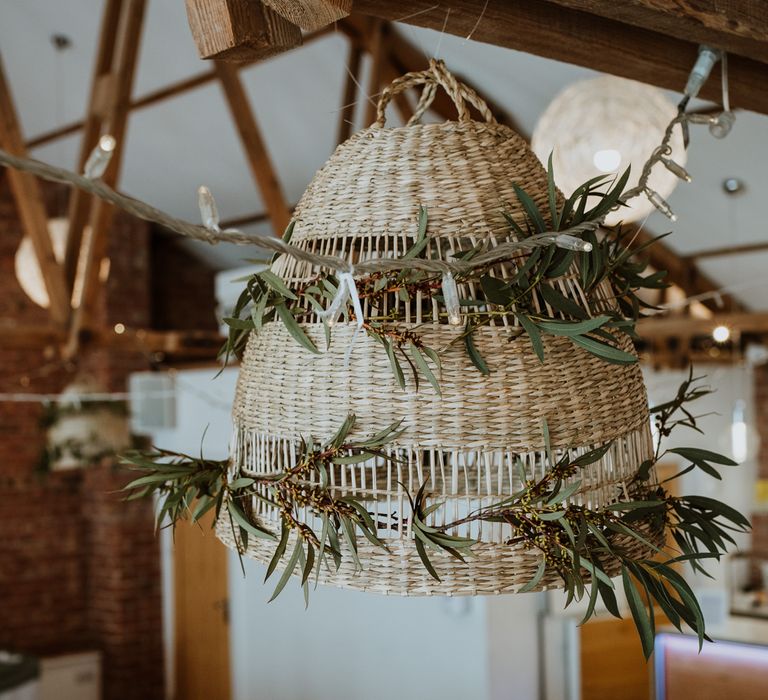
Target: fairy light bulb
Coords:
[(676, 168), (209, 212), (661, 204), (451, 299), (563, 240), (99, 158), (722, 124)]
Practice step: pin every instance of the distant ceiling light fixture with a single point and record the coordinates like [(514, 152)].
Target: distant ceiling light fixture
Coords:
[(739, 437), (733, 186), (61, 42), (607, 160), (630, 116), (721, 334)]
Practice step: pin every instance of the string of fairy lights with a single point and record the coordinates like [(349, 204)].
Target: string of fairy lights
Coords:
[(210, 230)]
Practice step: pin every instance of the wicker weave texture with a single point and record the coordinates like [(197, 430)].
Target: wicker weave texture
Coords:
[(287, 391)]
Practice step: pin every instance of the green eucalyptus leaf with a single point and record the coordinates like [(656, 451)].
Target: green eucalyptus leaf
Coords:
[(472, 351), (294, 329), (277, 284)]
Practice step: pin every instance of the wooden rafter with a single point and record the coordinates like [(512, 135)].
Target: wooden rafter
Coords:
[(128, 40), (172, 90), (742, 249), (255, 149), (574, 36), (687, 275), (31, 207), (102, 81), (737, 26), (654, 328)]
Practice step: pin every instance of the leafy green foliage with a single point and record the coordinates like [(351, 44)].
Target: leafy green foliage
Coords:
[(582, 546)]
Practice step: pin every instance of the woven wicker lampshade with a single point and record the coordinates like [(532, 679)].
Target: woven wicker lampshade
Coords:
[(465, 444), (605, 125)]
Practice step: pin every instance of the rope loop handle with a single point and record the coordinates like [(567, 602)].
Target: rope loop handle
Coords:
[(437, 75)]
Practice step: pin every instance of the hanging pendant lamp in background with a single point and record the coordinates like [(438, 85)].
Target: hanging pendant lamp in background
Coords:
[(603, 125), (27, 268)]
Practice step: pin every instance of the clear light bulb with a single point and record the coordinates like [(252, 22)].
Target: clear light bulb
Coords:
[(99, 158), (451, 299), (209, 212), (661, 204), (563, 240), (676, 169)]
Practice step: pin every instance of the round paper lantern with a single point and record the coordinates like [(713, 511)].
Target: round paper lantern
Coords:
[(27, 269), (604, 125), (468, 445)]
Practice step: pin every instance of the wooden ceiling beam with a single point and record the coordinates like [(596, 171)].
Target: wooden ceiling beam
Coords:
[(574, 36), (30, 205), (737, 26), (311, 14), (655, 328), (237, 30), (729, 250), (254, 146), (686, 274)]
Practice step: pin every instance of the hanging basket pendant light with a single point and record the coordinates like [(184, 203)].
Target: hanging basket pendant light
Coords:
[(469, 445)]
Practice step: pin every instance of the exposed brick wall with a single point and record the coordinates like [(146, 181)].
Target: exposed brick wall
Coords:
[(79, 567), (760, 520), (183, 291)]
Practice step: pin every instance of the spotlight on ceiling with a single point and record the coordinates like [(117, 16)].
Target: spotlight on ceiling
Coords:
[(720, 334), (733, 186)]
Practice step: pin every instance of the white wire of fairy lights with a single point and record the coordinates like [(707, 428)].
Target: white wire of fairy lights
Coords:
[(211, 231)]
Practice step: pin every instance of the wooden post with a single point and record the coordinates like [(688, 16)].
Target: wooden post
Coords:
[(255, 149), (239, 30), (31, 207)]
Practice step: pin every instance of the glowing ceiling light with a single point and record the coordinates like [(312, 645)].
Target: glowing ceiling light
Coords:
[(739, 433), (720, 334), (630, 117)]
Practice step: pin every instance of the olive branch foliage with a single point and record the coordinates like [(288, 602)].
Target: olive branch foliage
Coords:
[(583, 547), (524, 297)]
